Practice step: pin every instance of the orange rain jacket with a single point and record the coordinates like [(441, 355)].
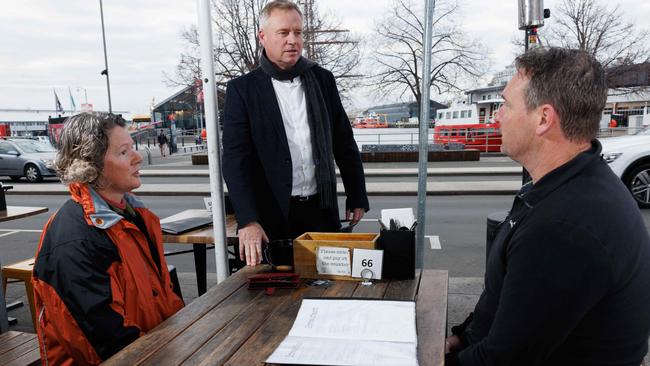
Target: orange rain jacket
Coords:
[(97, 287)]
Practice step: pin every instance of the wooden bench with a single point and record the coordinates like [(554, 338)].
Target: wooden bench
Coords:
[(19, 349), (21, 271)]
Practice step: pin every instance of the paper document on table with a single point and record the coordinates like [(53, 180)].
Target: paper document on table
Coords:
[(351, 332)]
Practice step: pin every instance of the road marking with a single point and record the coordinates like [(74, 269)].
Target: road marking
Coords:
[(434, 240), (13, 231), (9, 233)]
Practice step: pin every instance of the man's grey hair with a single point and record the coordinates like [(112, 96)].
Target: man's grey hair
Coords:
[(82, 146), (276, 5), (573, 82)]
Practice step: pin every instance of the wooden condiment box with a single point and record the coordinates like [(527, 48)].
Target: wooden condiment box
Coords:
[(305, 246)]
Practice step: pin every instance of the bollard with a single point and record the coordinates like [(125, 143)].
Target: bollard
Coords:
[(146, 149)]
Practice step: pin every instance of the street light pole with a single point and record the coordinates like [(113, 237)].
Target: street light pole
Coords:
[(105, 72)]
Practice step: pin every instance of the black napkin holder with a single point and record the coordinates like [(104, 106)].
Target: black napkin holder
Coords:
[(399, 254)]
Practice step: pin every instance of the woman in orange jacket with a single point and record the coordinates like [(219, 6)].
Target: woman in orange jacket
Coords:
[(100, 277)]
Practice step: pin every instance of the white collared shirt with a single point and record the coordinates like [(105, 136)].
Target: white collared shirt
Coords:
[(293, 107)]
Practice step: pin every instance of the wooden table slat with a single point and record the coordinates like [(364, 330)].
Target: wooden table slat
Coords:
[(19, 350), (23, 354), (11, 340), (403, 289), (374, 291), (223, 345), (431, 312), (267, 338), (170, 328), (184, 345), (340, 289), (31, 358)]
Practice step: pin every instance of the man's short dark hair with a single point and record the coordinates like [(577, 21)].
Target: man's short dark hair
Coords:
[(573, 82)]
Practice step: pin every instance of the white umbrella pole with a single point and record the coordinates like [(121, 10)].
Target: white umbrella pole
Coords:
[(424, 131), (213, 138)]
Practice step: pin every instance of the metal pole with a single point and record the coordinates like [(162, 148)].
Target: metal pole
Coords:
[(213, 139), (424, 131), (108, 84), (4, 325)]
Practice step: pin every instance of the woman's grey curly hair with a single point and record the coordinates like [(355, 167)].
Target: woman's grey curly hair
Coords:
[(82, 146)]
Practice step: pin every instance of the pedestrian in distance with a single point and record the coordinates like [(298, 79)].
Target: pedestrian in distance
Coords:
[(100, 276), (284, 126), (162, 143), (567, 279)]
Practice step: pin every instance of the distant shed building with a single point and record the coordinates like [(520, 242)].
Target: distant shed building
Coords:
[(401, 112)]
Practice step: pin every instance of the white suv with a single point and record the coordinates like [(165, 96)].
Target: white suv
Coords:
[(629, 158)]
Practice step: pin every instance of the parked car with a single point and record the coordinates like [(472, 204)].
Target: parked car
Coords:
[(27, 158), (629, 158)]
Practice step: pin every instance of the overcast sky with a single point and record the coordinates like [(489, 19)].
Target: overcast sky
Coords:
[(48, 44)]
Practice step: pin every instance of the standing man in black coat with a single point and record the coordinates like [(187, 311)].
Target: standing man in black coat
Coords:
[(284, 125)]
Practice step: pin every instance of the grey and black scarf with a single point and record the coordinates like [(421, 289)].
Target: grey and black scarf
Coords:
[(319, 123)]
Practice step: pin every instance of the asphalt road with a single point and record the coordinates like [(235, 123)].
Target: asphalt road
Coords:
[(456, 223)]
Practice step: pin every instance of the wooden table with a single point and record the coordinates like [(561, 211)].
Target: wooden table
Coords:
[(200, 239), (17, 212), (232, 325), (13, 213), (19, 349)]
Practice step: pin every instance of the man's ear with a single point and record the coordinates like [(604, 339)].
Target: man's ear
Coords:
[(548, 119), (261, 36)]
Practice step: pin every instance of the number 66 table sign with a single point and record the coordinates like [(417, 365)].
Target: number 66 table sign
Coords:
[(367, 260)]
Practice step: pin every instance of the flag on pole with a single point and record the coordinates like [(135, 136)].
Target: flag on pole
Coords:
[(57, 103), (73, 106)]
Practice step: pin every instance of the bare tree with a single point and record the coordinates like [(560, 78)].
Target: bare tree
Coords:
[(599, 30), (397, 60), (188, 68), (237, 47)]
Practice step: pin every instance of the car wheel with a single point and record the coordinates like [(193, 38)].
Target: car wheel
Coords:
[(32, 173), (638, 183), (15, 178)]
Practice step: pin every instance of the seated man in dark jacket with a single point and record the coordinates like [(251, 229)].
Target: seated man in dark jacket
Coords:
[(568, 276)]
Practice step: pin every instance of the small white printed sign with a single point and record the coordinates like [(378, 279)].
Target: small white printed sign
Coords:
[(333, 261), (208, 204), (364, 260)]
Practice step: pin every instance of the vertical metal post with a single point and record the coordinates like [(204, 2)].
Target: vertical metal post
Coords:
[(4, 325), (108, 84), (424, 132), (213, 139)]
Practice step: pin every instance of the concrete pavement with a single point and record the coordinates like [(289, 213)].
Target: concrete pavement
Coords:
[(374, 189), (179, 165)]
